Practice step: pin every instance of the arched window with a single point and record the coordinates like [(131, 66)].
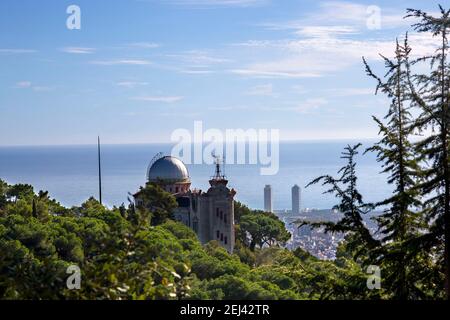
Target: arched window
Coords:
[(218, 234), (221, 237), (225, 240)]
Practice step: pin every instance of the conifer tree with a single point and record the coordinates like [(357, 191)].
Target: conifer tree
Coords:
[(352, 206), (400, 220), (431, 93)]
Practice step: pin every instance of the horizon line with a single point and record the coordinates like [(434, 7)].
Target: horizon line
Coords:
[(169, 142)]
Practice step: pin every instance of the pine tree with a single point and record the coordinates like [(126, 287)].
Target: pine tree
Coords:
[(400, 221), (34, 209), (431, 93), (352, 206)]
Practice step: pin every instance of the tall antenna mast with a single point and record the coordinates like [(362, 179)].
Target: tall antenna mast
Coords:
[(223, 165), (99, 171), (218, 174)]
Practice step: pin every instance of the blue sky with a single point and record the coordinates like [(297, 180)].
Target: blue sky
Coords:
[(139, 69)]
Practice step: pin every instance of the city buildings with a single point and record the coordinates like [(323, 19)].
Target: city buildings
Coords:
[(295, 199), (268, 198)]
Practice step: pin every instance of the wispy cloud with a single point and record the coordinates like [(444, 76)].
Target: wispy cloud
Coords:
[(131, 84), (341, 15), (348, 92), (29, 85), (219, 3), (78, 50), (121, 62), (43, 88), (229, 107), (144, 45), (324, 42), (195, 62), (193, 71), (16, 51), (276, 70), (23, 85), (183, 114), (325, 31), (310, 105), (164, 99), (198, 58), (261, 90)]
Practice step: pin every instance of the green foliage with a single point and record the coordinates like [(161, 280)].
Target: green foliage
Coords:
[(159, 202), (122, 256), (138, 252), (413, 233), (402, 219), (430, 94), (258, 228)]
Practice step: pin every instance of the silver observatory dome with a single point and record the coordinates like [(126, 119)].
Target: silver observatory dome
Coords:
[(169, 169)]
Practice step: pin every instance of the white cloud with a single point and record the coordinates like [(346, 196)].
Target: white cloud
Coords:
[(29, 85), (164, 99), (131, 84), (325, 31), (78, 50), (346, 92), (199, 58), (121, 62), (299, 89), (219, 3), (191, 71), (261, 90), (23, 84), (14, 51), (196, 62), (310, 105), (344, 14), (326, 41), (182, 114), (145, 45), (43, 88)]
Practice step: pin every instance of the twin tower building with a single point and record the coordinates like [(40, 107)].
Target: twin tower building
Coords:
[(268, 199)]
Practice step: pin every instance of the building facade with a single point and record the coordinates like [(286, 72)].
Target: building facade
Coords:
[(295, 199), (210, 214), (268, 198)]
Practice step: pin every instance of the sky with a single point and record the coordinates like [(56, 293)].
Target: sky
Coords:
[(137, 70)]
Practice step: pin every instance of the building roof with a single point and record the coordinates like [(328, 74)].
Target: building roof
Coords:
[(168, 169)]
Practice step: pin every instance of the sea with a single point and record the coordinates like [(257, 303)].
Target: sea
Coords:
[(70, 173)]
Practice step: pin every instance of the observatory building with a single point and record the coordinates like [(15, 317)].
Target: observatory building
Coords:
[(210, 214)]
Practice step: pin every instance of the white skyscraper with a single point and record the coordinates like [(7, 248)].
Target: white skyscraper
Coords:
[(295, 199), (268, 198)]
